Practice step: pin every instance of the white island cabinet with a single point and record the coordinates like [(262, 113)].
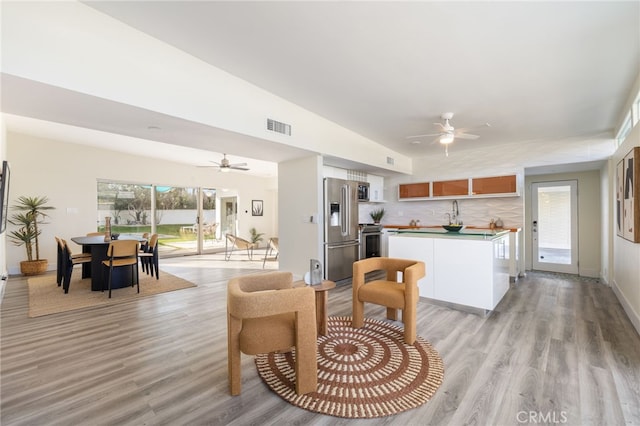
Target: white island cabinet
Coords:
[(462, 268)]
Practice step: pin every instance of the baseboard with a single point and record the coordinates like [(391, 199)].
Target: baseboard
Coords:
[(464, 308), (631, 313)]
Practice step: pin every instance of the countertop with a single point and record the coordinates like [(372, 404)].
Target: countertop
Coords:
[(440, 227), (439, 232)]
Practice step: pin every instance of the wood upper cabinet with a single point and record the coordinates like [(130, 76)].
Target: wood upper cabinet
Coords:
[(485, 187), (449, 188), (413, 190), (494, 185)]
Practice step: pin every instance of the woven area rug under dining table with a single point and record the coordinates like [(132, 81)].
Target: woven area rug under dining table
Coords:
[(45, 297), (364, 372)]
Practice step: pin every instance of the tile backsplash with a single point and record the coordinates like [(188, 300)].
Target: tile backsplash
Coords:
[(473, 211)]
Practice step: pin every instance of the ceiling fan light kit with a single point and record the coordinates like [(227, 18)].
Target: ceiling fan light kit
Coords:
[(448, 133), (446, 139)]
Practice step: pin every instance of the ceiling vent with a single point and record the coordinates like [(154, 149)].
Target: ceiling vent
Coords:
[(278, 127), (390, 160)]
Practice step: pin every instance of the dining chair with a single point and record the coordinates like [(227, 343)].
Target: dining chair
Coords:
[(145, 243), (68, 261), (239, 243), (60, 263), (122, 254), (149, 257), (95, 234), (272, 247)]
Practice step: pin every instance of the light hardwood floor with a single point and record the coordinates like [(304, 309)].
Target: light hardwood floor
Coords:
[(557, 350)]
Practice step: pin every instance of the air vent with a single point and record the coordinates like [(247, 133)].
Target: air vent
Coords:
[(276, 126), (390, 160)]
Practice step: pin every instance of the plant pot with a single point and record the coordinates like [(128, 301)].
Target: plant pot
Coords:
[(34, 267)]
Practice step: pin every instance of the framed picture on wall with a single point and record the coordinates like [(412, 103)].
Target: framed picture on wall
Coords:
[(256, 207), (631, 196)]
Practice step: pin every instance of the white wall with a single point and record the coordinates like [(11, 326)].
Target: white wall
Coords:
[(3, 255), (626, 255), (607, 215), (67, 174)]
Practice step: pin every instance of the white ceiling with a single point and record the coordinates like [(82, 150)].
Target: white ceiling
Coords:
[(536, 71)]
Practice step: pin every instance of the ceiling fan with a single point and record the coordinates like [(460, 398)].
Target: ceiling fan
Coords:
[(224, 165), (447, 133)]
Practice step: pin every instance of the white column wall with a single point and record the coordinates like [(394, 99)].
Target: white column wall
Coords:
[(300, 213)]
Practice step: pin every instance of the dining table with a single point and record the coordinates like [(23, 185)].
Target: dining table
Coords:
[(98, 246)]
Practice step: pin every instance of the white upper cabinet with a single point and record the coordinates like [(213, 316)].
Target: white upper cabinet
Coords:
[(334, 172), (376, 188)]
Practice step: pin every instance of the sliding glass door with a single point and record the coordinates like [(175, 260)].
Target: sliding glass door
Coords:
[(186, 219)]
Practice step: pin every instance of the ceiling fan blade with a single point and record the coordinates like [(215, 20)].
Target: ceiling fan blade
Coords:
[(237, 165), (472, 128), (422, 136), (466, 136), (238, 168)]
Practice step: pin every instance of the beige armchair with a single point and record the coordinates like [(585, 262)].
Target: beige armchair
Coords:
[(265, 313), (389, 292)]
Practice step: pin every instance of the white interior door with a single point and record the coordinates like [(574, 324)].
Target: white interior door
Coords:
[(554, 228)]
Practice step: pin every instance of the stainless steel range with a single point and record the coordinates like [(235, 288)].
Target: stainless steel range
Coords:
[(370, 240)]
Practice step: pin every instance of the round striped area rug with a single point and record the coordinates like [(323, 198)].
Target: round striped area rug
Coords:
[(362, 372)]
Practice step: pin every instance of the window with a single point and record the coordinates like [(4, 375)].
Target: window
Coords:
[(631, 119), (635, 111), (128, 205), (625, 129)]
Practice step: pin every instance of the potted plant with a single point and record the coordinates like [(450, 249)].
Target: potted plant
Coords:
[(31, 214), (377, 215), (256, 236)]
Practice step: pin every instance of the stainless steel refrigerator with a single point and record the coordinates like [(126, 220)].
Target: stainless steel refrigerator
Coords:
[(341, 245)]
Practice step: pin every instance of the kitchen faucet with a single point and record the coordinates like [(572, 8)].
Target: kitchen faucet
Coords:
[(454, 212)]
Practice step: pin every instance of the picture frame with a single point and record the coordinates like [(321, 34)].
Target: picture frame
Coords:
[(5, 179), (630, 197), (257, 208)]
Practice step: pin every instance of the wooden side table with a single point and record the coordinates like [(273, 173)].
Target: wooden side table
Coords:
[(321, 303)]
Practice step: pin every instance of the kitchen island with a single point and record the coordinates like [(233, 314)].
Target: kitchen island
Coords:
[(464, 268)]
